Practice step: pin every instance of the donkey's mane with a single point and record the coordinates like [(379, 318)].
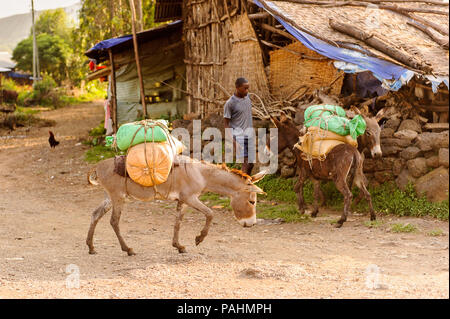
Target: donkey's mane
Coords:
[(224, 167)]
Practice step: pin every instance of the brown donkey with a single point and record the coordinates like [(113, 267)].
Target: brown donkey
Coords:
[(186, 182), (342, 162)]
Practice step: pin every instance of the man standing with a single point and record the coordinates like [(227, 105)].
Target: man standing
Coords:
[(237, 115)]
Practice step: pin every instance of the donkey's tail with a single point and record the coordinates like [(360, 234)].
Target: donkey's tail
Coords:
[(359, 179), (92, 176)]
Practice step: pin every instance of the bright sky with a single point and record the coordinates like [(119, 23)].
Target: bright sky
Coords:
[(12, 7)]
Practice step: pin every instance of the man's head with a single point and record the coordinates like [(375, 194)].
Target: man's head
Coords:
[(241, 87)]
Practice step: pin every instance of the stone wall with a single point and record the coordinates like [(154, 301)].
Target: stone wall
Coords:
[(411, 155)]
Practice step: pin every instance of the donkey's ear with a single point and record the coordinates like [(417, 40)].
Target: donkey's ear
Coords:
[(380, 115), (356, 110), (283, 117), (254, 189), (259, 176)]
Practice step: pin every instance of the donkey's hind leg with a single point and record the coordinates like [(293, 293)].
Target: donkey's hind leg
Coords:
[(365, 193), (115, 218), (180, 213), (318, 196), (98, 213)]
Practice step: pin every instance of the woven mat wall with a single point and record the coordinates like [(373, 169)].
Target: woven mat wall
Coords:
[(245, 59), (288, 71)]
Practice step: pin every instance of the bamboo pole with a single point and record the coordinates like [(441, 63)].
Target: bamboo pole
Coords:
[(136, 54), (113, 91), (267, 27)]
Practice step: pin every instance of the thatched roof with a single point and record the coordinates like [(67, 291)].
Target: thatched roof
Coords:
[(390, 27)]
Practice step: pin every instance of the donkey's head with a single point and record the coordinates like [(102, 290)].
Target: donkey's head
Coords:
[(243, 201), (371, 137), (288, 132)]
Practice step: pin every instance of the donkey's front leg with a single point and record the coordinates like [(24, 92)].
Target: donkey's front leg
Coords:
[(96, 215), (180, 213), (115, 218), (194, 202)]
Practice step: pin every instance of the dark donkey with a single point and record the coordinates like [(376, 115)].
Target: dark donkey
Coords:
[(342, 162)]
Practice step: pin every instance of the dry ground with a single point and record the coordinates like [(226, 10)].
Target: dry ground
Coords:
[(45, 208)]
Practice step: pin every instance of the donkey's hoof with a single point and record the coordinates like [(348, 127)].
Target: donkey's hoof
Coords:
[(182, 250), (92, 252), (130, 252), (372, 218), (198, 240), (339, 225)]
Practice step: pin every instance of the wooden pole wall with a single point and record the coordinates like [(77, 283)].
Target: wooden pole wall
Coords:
[(136, 54), (207, 28), (113, 91)]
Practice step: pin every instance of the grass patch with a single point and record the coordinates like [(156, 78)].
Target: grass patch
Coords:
[(386, 199), (17, 119), (98, 153), (27, 110), (265, 210), (391, 200), (334, 221), (288, 212), (403, 228), (373, 223), (435, 233)]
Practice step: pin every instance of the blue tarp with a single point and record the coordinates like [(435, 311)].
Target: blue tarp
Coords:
[(18, 75), (109, 43), (393, 76), (98, 51)]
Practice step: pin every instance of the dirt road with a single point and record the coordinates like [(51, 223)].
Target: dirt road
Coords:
[(45, 209)]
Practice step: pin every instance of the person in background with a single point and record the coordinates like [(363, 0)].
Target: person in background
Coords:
[(237, 115)]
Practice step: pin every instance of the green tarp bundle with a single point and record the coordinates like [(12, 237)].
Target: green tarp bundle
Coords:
[(333, 118), (156, 132)]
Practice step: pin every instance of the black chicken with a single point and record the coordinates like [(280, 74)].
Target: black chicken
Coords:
[(51, 140)]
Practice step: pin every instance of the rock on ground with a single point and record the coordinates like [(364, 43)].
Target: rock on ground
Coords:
[(434, 185), (404, 178), (432, 141), (406, 134), (443, 157), (417, 167), (410, 125), (410, 153)]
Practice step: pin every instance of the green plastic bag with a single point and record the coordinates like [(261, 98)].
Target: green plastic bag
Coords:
[(333, 118), (155, 133), (109, 140)]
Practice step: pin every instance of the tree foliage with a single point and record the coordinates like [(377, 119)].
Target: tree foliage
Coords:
[(62, 45), (54, 22), (104, 19), (53, 55)]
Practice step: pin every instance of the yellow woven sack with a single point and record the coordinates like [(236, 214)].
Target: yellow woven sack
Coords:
[(153, 171), (317, 149), (319, 134), (318, 142)]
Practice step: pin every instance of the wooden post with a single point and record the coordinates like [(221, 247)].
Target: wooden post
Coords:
[(113, 91), (136, 55), (1, 90)]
